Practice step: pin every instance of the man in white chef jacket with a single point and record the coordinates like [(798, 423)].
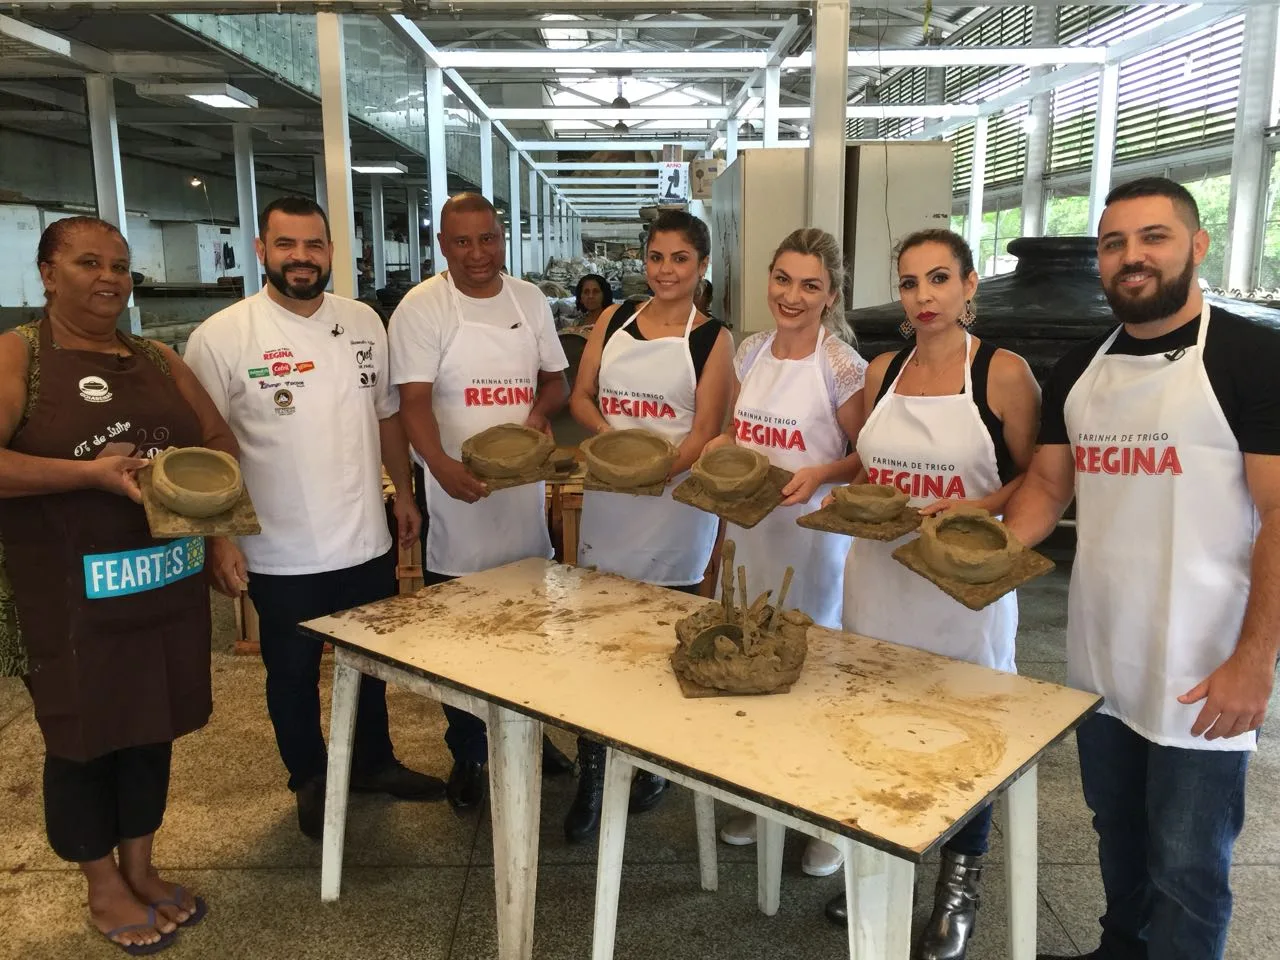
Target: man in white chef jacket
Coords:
[(472, 348), (1167, 433), (302, 377)]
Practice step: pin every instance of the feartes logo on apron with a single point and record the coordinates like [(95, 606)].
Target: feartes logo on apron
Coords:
[(135, 571)]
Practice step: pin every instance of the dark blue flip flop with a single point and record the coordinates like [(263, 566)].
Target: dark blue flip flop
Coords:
[(197, 915), (142, 949)]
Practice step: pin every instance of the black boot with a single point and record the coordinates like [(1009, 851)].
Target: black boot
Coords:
[(554, 762), (583, 819), (646, 791)]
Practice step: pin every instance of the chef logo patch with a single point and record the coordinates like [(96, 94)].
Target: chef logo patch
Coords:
[(364, 358), (369, 378), (135, 571), (95, 390), (283, 400)]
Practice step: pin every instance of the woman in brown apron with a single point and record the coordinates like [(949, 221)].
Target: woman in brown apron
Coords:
[(109, 626)]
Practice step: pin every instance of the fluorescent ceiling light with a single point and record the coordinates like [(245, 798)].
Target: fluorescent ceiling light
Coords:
[(601, 59), (958, 56), (220, 95), (378, 166)]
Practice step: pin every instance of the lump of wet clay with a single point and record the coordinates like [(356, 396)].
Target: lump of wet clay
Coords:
[(968, 544), (507, 450), (629, 458), (731, 472), (195, 481), (869, 502), (742, 648)]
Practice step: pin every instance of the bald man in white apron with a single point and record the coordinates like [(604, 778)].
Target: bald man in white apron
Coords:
[(1167, 433)]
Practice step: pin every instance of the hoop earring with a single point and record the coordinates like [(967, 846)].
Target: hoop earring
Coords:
[(968, 318), (906, 329)]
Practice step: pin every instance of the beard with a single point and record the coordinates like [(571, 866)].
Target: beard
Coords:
[(1169, 297), (296, 290)]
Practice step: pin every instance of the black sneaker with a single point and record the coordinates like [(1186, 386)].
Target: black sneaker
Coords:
[(397, 780), (646, 791), (467, 784), (310, 800)]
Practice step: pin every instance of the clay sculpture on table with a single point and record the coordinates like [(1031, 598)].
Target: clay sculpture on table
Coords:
[(506, 450), (731, 472), (629, 458), (969, 545), (196, 481), (741, 649), (869, 502)]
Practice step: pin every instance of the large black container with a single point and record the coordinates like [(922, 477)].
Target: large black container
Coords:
[(1052, 301)]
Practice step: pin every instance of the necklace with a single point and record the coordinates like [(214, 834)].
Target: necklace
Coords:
[(932, 377)]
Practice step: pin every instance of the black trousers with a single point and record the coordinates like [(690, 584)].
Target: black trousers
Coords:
[(293, 664), (90, 806)]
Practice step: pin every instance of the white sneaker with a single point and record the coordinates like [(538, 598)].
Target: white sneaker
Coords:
[(740, 830), (821, 859)]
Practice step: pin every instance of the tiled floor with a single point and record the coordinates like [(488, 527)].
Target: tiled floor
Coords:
[(419, 878)]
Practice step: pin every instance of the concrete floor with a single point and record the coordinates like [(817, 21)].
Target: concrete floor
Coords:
[(419, 879)]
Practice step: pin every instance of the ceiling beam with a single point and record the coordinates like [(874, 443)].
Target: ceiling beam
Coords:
[(580, 165), (39, 93), (601, 59), (593, 146), (609, 113), (435, 24), (956, 56)]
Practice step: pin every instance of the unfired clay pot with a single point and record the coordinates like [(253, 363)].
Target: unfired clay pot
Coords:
[(869, 502), (629, 458), (507, 450), (968, 544), (731, 472), (196, 481)]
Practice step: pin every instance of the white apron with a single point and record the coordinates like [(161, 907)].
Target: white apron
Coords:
[(785, 411), (927, 447), (488, 376), (1164, 528), (651, 385)]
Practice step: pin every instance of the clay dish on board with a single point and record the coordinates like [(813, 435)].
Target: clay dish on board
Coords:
[(968, 545), (196, 481), (629, 458), (869, 502), (507, 450), (731, 472)]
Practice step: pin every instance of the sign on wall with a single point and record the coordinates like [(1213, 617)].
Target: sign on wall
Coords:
[(674, 185)]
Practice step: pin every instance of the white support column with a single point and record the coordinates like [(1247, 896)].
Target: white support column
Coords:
[(731, 141), (437, 172), (771, 78), (486, 159), (1250, 172), (1044, 32), (827, 133), (977, 181), (562, 228), (322, 183), (247, 207), (872, 128), (331, 55), (1104, 142), (415, 234), (537, 257), (104, 139), (548, 240), (516, 263), (378, 231)]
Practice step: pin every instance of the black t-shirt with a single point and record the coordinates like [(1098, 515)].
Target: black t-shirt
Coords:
[(701, 339), (1241, 358)]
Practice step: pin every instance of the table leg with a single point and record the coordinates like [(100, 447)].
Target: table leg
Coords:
[(1021, 865), (770, 837), (901, 896), (704, 809), (515, 788), (613, 837), (342, 726)]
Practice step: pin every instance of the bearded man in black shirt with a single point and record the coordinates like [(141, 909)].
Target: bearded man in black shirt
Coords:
[(1167, 434)]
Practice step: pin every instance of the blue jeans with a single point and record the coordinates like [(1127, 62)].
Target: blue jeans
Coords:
[(973, 838), (1167, 819)]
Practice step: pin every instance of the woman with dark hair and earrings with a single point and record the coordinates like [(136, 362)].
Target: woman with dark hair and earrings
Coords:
[(593, 296), (968, 412)]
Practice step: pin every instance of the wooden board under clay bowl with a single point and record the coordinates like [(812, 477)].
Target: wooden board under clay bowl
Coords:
[(976, 596), (240, 521), (828, 521), (745, 513), (560, 467)]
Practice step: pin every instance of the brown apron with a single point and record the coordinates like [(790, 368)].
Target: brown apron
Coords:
[(115, 623)]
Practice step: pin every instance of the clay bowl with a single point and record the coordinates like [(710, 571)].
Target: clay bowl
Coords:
[(195, 481), (731, 472), (869, 502), (629, 458), (507, 450), (968, 545)]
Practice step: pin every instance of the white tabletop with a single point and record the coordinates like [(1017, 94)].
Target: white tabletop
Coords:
[(883, 743)]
